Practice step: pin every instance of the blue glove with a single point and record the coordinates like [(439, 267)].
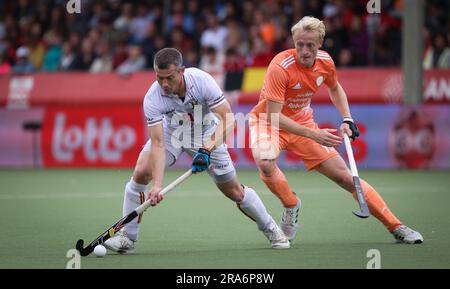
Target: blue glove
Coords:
[(353, 127), (201, 160)]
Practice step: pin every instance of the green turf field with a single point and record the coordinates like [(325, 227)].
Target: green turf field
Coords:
[(44, 212)]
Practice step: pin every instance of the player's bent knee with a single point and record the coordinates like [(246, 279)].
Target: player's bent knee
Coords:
[(266, 166), (236, 194), (232, 189), (142, 175), (345, 181)]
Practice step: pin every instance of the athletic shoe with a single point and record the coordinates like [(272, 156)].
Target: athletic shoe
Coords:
[(276, 237), (406, 235), (120, 243), (289, 221)]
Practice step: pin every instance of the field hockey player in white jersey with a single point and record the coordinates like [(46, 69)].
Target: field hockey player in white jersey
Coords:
[(186, 111)]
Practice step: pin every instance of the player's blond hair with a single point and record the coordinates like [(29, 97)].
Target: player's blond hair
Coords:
[(309, 23)]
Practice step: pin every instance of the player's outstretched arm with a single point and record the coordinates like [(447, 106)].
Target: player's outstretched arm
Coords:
[(225, 126), (158, 159), (321, 136), (339, 99)]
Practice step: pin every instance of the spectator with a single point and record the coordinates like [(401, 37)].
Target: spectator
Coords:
[(74, 42), (191, 58), (335, 37), (191, 17), (52, 58), (358, 42), (176, 18), (266, 28), (345, 58), (85, 57), (179, 40), (120, 54), (140, 23), (23, 64), (234, 66), (67, 57), (215, 35), (211, 61), (383, 56), (122, 23), (103, 61), (236, 36), (438, 56), (134, 62), (260, 54), (36, 46)]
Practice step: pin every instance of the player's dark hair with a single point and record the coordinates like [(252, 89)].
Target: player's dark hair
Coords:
[(167, 56)]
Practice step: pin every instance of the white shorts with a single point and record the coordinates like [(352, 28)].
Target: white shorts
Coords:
[(221, 169)]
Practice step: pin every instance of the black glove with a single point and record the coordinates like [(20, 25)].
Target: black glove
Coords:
[(201, 160), (353, 128)]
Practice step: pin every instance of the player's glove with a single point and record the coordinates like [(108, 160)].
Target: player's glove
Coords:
[(353, 127), (201, 160)]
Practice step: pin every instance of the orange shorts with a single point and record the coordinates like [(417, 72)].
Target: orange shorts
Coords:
[(268, 142)]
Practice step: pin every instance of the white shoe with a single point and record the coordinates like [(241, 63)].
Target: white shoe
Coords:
[(276, 237), (403, 234), (289, 221), (120, 243)]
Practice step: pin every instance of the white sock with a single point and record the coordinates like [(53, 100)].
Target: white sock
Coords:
[(254, 208), (132, 200)]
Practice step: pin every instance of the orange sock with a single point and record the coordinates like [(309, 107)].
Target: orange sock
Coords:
[(378, 207), (278, 185)]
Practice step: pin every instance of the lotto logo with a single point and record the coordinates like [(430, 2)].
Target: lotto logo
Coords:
[(91, 137)]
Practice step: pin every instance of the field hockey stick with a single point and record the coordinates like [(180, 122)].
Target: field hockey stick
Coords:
[(111, 231), (359, 192)]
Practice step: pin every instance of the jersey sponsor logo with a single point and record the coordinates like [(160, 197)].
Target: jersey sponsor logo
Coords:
[(222, 166), (319, 80), (298, 105), (303, 95), (297, 86)]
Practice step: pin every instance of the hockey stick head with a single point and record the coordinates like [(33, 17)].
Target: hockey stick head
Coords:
[(79, 245), (363, 214), (83, 251), (364, 210)]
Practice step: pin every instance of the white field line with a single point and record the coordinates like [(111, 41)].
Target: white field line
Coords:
[(189, 193)]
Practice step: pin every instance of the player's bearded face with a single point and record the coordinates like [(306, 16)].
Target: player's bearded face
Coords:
[(307, 43), (170, 79)]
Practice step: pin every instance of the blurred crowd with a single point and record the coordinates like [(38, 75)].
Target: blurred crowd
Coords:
[(215, 35)]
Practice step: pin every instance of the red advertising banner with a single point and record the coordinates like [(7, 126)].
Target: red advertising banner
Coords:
[(437, 86), (374, 86), (414, 137), (92, 136), (363, 86), (74, 89)]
